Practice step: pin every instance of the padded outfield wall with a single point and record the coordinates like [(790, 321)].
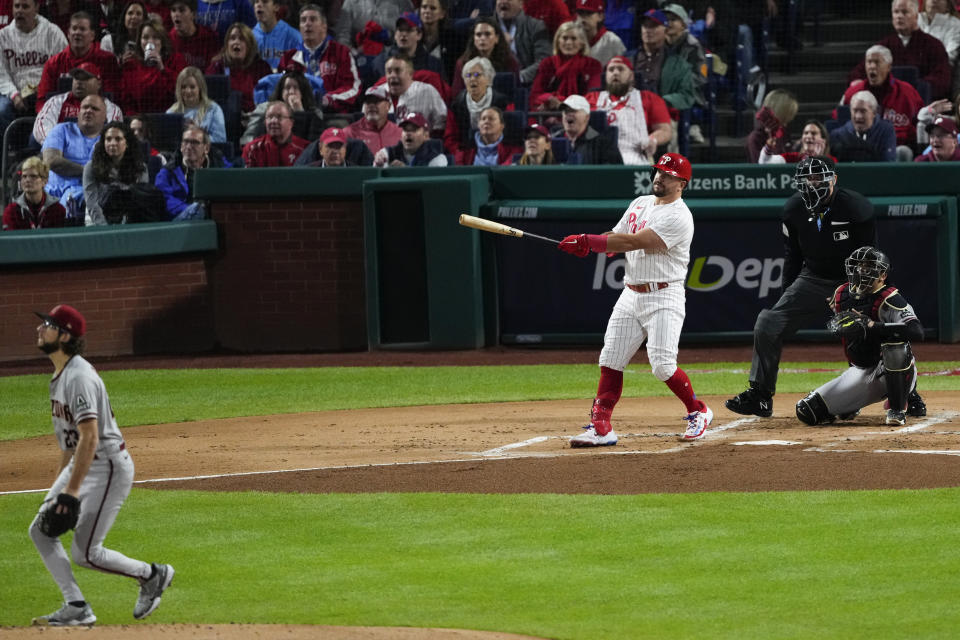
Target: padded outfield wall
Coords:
[(348, 259)]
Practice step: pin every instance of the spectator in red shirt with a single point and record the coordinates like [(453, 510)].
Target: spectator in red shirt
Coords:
[(322, 56), (552, 12), (150, 76), (278, 147), (899, 101), (80, 48), (196, 43), (570, 70), (34, 208), (374, 128), (64, 106), (240, 59), (911, 47)]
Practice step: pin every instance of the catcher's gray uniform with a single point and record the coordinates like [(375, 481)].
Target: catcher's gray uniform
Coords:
[(863, 383), (78, 394)]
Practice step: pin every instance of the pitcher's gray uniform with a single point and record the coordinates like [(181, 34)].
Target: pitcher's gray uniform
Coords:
[(78, 397)]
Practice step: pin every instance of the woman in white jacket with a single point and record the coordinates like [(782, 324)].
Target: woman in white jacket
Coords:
[(941, 20)]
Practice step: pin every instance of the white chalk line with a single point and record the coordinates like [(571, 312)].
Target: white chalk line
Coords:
[(940, 418), (491, 454)]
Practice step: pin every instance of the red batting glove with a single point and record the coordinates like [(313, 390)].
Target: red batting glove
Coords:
[(576, 245)]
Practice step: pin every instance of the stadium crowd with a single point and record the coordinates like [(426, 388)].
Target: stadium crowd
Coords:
[(123, 101)]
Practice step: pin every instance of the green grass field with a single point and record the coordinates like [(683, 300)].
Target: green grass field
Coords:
[(865, 564)]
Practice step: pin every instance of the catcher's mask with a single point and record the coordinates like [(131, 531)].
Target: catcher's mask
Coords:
[(813, 179), (864, 267)]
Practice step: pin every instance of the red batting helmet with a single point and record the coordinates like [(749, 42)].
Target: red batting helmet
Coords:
[(674, 164)]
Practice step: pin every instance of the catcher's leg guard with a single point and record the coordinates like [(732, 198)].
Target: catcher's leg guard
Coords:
[(899, 373), (812, 410)]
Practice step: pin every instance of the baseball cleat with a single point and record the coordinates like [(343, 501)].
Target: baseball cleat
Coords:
[(916, 407), (590, 438), (751, 403), (151, 590), (896, 418), (697, 423), (67, 616)]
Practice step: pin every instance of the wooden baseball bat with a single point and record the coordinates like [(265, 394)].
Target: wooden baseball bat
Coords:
[(496, 227)]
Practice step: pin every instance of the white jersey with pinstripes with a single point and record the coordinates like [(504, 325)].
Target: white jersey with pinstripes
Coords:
[(673, 222), (76, 394)]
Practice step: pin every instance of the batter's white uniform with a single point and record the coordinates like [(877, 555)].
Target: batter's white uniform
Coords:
[(76, 394), (657, 315)]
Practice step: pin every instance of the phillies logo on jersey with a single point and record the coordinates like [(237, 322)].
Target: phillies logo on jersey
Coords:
[(632, 222)]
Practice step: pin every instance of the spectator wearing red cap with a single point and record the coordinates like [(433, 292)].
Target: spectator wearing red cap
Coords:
[(64, 106), (415, 148), (553, 13), (333, 149), (321, 56), (34, 208), (197, 43), (408, 41), (570, 70), (487, 41), (278, 147), (354, 15), (537, 148), (375, 128), (80, 48), (489, 148), (465, 109), (150, 77), (641, 117), (25, 45), (943, 142), (604, 44), (528, 38), (240, 59)]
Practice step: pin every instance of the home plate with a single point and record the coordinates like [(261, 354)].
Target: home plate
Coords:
[(763, 442)]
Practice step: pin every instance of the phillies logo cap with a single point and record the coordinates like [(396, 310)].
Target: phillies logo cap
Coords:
[(593, 6), (67, 319)]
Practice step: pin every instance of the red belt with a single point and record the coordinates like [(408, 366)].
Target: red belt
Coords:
[(647, 287), (123, 445)]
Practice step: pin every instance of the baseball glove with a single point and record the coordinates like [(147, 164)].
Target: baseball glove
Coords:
[(55, 524), (849, 324)]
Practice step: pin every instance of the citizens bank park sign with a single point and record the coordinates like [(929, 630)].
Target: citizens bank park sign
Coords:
[(643, 182)]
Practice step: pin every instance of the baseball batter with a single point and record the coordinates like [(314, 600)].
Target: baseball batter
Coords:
[(877, 325), (96, 474), (655, 232)]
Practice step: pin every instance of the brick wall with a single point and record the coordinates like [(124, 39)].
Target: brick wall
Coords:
[(150, 305), (290, 276)]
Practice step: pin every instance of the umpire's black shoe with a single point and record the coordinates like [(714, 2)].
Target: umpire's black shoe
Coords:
[(751, 403), (916, 407)]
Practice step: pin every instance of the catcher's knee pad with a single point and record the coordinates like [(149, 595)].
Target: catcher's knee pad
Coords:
[(662, 371), (897, 356), (813, 411)]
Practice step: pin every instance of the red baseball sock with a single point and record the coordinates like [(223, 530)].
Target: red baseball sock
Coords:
[(679, 383), (608, 393)]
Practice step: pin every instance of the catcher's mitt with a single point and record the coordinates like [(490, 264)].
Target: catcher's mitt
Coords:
[(55, 524), (849, 324)]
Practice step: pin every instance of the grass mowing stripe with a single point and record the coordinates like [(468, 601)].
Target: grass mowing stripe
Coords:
[(877, 564), (164, 395)]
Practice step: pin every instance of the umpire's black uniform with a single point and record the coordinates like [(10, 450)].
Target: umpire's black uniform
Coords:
[(816, 246)]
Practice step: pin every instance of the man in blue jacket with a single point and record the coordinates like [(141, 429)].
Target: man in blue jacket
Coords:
[(865, 137)]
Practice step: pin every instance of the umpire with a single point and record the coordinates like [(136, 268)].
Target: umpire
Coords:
[(822, 225)]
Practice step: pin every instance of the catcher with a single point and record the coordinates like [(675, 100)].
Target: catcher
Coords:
[(96, 473), (876, 325)]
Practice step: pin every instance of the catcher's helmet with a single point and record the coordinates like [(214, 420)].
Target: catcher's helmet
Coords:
[(813, 179), (864, 267), (675, 165)]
